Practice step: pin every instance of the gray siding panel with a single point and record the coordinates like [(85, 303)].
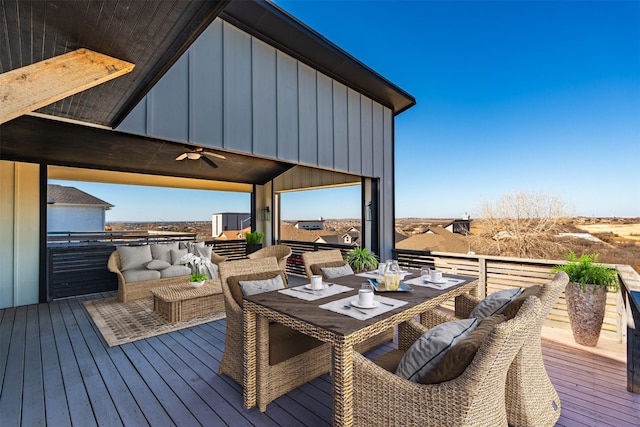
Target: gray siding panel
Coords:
[(265, 130), (205, 88), (377, 125), (325, 122), (287, 71), (308, 115), (340, 127), (366, 136), (136, 121), (353, 117), (237, 90), (168, 105)]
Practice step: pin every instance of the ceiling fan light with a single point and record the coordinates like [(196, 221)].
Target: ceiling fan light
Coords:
[(193, 156)]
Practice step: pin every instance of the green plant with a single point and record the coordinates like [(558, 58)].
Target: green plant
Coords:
[(254, 238), (360, 258), (586, 271)]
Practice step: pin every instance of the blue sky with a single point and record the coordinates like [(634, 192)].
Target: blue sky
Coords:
[(511, 96)]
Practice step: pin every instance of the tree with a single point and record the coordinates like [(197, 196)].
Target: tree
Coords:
[(525, 225)]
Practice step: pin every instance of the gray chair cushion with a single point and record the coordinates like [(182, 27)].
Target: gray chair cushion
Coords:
[(331, 272), (253, 287), (134, 257), (157, 264), (495, 303), (140, 275), (425, 354), (175, 271), (162, 251)]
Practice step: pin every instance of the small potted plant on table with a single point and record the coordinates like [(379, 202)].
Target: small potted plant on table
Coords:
[(586, 295), (361, 259)]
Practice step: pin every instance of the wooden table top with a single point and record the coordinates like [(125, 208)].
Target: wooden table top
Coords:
[(309, 311)]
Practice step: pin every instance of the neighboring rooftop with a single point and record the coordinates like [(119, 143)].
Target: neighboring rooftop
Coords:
[(59, 195), (435, 239)]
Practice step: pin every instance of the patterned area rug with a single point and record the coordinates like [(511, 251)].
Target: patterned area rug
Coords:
[(123, 322)]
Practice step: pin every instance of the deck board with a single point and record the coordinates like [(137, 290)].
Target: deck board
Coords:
[(57, 370)]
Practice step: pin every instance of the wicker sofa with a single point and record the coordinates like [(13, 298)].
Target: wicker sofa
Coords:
[(133, 290)]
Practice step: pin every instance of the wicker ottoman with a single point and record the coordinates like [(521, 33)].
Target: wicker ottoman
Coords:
[(184, 302)]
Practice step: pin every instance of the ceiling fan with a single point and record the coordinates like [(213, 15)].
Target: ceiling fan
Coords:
[(195, 153)]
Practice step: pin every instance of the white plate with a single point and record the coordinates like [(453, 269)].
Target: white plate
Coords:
[(375, 304), (439, 282), (308, 286)]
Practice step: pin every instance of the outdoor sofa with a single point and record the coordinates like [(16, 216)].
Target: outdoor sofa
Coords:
[(142, 268)]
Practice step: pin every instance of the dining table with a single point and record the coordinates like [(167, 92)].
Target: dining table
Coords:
[(342, 330)]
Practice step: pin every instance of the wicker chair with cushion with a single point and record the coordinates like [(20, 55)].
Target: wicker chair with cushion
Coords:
[(331, 257), (531, 399), (281, 252), (313, 261), (474, 398), (286, 358)]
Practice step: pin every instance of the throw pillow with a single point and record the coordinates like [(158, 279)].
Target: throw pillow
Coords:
[(316, 268), (188, 245), (459, 357), (253, 287), (331, 272), (177, 254), (202, 251), (514, 306), (157, 264), (425, 354), (162, 251), (495, 303), (134, 257), (234, 282)]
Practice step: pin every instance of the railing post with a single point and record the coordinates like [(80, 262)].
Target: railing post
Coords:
[(482, 277)]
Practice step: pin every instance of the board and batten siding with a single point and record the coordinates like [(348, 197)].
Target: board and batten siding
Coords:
[(232, 91)]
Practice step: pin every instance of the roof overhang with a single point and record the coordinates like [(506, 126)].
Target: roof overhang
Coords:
[(54, 142), (150, 34)]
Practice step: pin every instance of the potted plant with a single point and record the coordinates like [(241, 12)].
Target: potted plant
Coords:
[(586, 295), (195, 263), (361, 259), (254, 241)]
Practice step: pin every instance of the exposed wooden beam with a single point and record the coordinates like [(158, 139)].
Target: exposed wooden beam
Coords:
[(34, 86)]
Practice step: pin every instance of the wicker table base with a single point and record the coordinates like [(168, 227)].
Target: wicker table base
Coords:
[(184, 302)]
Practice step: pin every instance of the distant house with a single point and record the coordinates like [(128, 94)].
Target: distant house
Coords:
[(435, 239), (232, 234), (226, 221), (70, 209), (310, 224), (460, 226)]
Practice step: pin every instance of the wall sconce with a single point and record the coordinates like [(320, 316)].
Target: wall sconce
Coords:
[(369, 212), (266, 214)]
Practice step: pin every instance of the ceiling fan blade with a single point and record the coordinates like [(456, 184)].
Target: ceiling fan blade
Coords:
[(209, 161), (182, 156), (209, 153)]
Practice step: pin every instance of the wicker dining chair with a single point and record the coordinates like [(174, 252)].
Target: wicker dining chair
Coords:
[(281, 252), (475, 398), (273, 380), (531, 398), (320, 257)]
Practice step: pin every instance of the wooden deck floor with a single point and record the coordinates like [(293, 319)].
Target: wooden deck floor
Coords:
[(56, 370)]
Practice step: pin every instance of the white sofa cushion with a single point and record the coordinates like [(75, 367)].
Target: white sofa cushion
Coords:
[(175, 271), (162, 251), (134, 257), (424, 355), (157, 264), (140, 275), (176, 256)]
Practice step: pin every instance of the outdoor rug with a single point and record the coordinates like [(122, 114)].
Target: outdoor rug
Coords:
[(123, 322)]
